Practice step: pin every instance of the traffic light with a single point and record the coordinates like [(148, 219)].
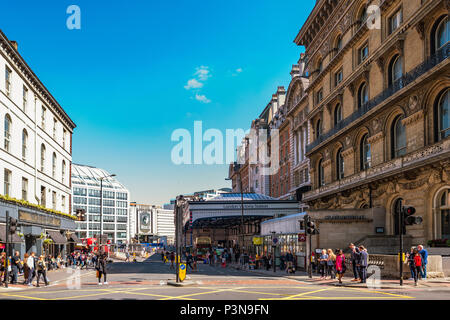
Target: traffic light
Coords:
[(12, 225), (310, 226), (408, 218)]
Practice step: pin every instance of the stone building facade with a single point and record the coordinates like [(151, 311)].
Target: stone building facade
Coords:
[(379, 126)]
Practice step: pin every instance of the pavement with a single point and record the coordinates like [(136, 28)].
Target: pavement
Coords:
[(148, 279)]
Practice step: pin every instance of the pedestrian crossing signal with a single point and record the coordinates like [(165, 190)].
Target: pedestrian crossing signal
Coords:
[(12, 225), (408, 217)]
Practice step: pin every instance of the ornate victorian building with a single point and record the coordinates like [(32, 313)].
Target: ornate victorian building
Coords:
[(379, 123)]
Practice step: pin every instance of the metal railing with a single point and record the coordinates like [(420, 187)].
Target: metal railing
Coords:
[(405, 80)]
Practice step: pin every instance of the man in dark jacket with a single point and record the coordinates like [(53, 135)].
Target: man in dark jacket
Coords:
[(101, 267), (355, 261), (363, 262), (15, 260)]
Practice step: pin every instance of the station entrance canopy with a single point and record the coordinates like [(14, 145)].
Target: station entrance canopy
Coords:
[(225, 211)]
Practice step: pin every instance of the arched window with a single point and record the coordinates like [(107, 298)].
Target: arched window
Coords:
[(338, 43), (443, 33), (398, 137), (440, 34), (24, 144), (337, 114), (319, 65), (363, 16), (443, 115), (339, 165), (42, 157), (365, 154), (63, 171), (444, 209), (8, 124), (363, 95), (318, 128), (54, 165), (395, 70), (320, 174)]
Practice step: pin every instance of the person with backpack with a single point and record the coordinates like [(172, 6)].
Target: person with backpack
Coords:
[(41, 270)]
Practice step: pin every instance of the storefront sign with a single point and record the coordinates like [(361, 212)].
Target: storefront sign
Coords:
[(301, 237), (257, 241), (39, 219), (246, 206), (344, 219)]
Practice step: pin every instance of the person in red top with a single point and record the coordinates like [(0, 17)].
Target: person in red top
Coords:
[(417, 265), (340, 265)]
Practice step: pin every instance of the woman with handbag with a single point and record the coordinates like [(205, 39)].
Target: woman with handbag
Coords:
[(41, 270), (340, 265)]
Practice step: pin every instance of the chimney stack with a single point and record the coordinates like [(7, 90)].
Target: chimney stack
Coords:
[(14, 44)]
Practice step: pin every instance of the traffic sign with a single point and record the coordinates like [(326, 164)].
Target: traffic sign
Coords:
[(302, 237), (275, 240), (182, 271)]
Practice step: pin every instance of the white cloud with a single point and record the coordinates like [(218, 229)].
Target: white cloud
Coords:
[(202, 98), (239, 70), (203, 73), (193, 84)]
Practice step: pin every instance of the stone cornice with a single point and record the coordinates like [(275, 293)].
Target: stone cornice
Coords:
[(348, 152), (373, 139), (413, 118)]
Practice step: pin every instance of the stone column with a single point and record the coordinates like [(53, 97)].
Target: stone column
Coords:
[(415, 129)]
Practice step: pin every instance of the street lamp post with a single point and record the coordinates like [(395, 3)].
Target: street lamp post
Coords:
[(241, 229), (274, 260), (101, 206)]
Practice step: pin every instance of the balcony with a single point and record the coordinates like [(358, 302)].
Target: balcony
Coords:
[(403, 82), (435, 152)]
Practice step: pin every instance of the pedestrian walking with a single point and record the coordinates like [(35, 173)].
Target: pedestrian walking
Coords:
[(354, 260), (363, 262), (424, 254), (15, 263), (101, 268), (26, 269), (31, 262), (412, 267), (323, 264), (340, 265), (331, 264), (41, 270), (418, 263)]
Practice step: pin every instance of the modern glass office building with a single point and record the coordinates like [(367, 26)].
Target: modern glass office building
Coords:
[(86, 182)]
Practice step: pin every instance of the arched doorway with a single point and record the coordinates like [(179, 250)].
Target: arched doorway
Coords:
[(396, 210)]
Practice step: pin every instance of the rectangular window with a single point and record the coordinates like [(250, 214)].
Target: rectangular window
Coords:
[(338, 77), (94, 201), (363, 53), (319, 96), (63, 203), (7, 182), (8, 80), (94, 209), (108, 203), (24, 189), (54, 128), (54, 200), (79, 200), (395, 20), (122, 196), (122, 204), (43, 112), (25, 98), (79, 191), (64, 138), (94, 193), (43, 198)]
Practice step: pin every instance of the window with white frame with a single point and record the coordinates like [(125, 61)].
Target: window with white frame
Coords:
[(8, 73), (64, 138), (54, 165), (42, 157), (24, 189), (25, 99), (63, 202), (8, 124), (54, 200), (55, 122), (24, 144), (43, 114), (7, 182), (63, 171)]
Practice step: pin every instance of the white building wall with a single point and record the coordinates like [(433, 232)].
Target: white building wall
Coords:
[(29, 118)]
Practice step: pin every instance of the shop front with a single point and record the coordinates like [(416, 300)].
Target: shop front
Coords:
[(284, 235), (39, 231)]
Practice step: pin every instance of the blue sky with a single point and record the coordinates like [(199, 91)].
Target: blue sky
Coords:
[(123, 77)]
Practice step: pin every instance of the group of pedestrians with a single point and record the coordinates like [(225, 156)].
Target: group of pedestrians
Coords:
[(418, 260)]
